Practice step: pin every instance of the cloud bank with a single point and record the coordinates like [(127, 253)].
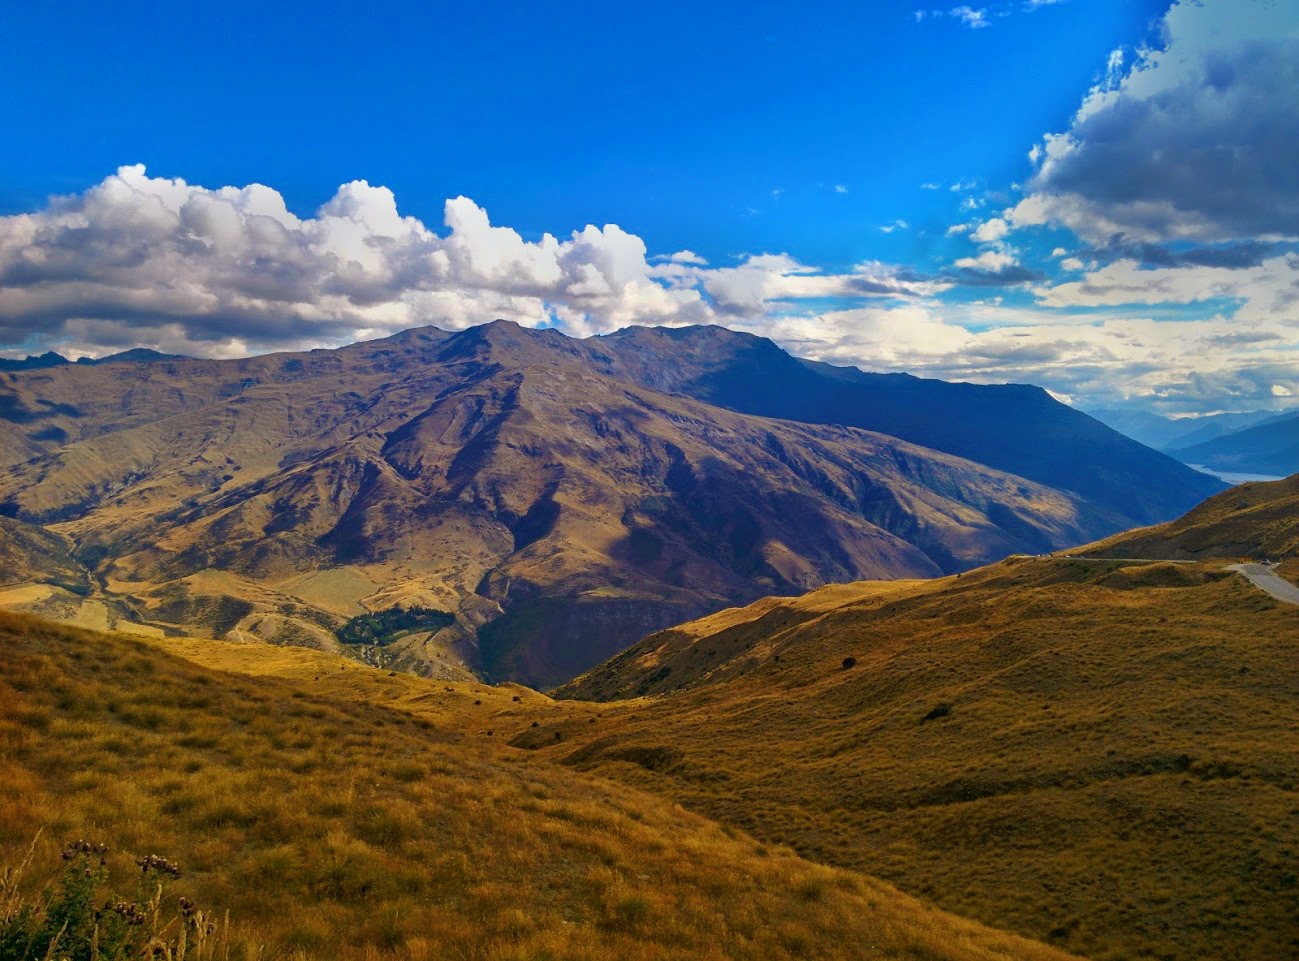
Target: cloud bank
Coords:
[(139, 259), (1198, 140), (142, 261)]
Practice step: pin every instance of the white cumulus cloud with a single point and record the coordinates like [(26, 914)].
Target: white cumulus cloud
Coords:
[(140, 260)]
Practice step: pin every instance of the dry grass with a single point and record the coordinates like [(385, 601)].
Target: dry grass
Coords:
[(1249, 521), (1096, 754), (333, 827), (74, 916)]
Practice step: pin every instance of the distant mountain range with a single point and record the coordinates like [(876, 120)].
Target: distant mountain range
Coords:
[(1171, 433), (560, 497), (1258, 442), (136, 355), (1271, 447)]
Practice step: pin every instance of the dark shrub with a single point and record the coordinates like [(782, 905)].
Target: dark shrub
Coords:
[(942, 710)]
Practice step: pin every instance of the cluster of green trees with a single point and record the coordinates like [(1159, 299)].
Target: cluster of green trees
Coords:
[(384, 627)]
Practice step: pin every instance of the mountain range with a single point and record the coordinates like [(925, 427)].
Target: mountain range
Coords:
[(1259, 442), (1271, 447), (1172, 433), (559, 497), (136, 355)]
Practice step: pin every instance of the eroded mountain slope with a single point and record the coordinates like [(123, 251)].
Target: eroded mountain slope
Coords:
[(517, 479), (1017, 428)]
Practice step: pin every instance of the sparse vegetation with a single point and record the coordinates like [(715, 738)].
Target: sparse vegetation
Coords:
[(76, 917), (1096, 754)]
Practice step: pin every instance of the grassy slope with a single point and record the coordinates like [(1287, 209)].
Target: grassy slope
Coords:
[(1252, 520), (345, 813), (1117, 747)]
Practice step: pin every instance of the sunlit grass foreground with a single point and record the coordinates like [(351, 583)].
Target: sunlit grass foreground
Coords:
[(330, 828)]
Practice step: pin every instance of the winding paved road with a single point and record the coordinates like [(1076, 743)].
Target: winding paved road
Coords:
[(1263, 578)]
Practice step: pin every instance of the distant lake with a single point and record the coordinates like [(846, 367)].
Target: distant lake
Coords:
[(1231, 477)]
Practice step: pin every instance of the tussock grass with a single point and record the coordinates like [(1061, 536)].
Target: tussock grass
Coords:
[(1099, 755), (1249, 521), (336, 827)]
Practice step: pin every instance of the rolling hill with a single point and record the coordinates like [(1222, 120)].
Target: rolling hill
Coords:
[(1090, 752), (560, 498), (1255, 521), (337, 812), (1108, 738)]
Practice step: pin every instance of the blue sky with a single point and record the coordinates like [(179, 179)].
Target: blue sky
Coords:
[(676, 123), (844, 177)]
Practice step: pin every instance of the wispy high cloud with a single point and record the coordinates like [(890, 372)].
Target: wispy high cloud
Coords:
[(976, 18)]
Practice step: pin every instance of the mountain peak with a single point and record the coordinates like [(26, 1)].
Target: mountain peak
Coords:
[(696, 336), (136, 355), (568, 495), (34, 361)]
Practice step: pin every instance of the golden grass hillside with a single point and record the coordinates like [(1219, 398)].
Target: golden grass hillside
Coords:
[(336, 827), (1259, 520), (1097, 754)]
